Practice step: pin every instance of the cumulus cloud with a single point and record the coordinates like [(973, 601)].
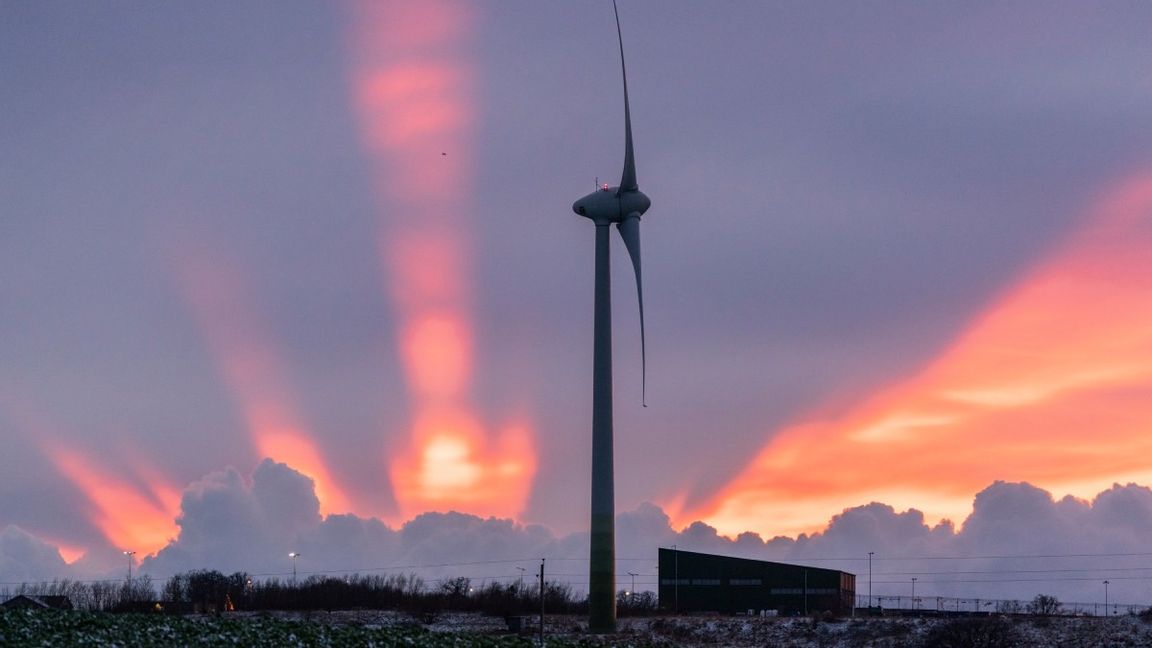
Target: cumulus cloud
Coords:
[(1018, 541), (233, 524), (1126, 511), (230, 523), (24, 557)]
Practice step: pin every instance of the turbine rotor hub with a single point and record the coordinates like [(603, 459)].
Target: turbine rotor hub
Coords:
[(605, 206)]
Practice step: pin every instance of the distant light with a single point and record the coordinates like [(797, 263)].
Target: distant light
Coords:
[(604, 187)]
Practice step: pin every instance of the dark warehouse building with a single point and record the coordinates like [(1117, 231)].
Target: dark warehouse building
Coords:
[(697, 582)]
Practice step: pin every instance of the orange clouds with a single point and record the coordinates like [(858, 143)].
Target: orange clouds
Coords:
[(241, 346), (412, 85), (129, 501), (1050, 385), (452, 464), (131, 516)]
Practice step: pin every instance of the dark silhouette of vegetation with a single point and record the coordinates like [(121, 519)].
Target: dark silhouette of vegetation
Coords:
[(1045, 605), (99, 596), (636, 603), (1010, 607), (210, 591), (974, 632)]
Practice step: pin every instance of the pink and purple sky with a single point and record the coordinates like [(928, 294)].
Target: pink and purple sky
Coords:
[(897, 269)]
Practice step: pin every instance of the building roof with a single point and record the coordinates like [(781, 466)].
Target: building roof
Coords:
[(46, 602)]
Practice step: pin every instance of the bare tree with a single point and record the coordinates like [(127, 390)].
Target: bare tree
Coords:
[(1045, 605)]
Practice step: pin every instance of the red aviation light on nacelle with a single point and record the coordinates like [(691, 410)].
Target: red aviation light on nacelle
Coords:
[(604, 187)]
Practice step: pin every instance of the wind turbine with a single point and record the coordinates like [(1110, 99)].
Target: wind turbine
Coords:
[(622, 205)]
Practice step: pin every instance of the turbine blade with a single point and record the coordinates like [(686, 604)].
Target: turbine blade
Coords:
[(628, 178), (630, 232)]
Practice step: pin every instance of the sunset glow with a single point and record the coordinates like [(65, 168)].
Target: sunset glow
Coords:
[(130, 516), (298, 292), (69, 552), (242, 348), (1051, 385), (413, 88), (453, 465)]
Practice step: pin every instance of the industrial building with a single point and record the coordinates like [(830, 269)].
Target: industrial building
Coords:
[(697, 582)]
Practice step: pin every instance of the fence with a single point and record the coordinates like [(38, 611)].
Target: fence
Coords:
[(976, 606)]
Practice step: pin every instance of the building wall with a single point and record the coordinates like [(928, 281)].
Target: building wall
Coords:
[(696, 582)]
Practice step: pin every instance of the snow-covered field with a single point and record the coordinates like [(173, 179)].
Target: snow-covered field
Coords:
[(988, 632), (373, 628), (984, 632)]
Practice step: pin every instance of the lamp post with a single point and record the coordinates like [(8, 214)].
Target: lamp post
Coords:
[(541, 603), (913, 592), (870, 578), (520, 588), (1105, 598), (129, 554), (294, 555), (632, 592), (805, 592)]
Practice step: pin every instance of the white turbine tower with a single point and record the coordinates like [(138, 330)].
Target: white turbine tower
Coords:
[(622, 205)]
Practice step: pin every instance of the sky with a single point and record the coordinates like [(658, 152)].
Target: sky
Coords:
[(296, 276)]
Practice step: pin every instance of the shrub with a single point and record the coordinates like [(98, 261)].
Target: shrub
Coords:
[(986, 632), (1045, 605)]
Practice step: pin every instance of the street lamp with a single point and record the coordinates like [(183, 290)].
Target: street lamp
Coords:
[(294, 555), (520, 588), (632, 592), (129, 554), (1105, 598), (913, 592), (870, 578)]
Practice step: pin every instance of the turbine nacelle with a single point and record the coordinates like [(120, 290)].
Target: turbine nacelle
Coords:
[(610, 205)]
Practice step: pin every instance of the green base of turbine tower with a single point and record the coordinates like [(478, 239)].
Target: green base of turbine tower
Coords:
[(602, 554)]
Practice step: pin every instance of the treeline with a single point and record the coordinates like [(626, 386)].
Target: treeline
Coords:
[(99, 596), (212, 591)]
